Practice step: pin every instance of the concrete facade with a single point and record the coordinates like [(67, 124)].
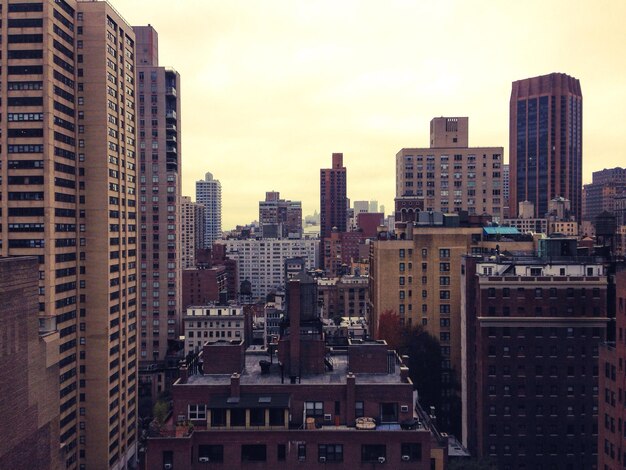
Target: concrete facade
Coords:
[(209, 194)]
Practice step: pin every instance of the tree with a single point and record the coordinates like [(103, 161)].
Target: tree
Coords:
[(389, 329), (424, 364), (160, 411)]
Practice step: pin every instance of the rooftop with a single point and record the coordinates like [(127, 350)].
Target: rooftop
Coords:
[(252, 374)]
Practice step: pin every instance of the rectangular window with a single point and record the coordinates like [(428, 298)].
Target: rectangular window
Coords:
[(359, 409), (314, 408), (196, 412), (253, 453), (330, 452), (411, 451), (211, 453), (376, 453)]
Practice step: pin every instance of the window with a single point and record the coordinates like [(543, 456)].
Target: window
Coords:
[(314, 408), (281, 452), (359, 409), (388, 412), (211, 453), (330, 452), (444, 253), (373, 452), (257, 416), (253, 453), (301, 452), (411, 451), (218, 417), (197, 412)]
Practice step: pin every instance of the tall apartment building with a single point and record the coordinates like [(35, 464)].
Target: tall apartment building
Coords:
[(209, 194), (68, 197), (611, 399), (188, 232), (262, 261), (30, 373), (545, 141), (530, 367), (333, 197), (107, 184), (158, 97), (280, 218), (449, 175), (506, 175)]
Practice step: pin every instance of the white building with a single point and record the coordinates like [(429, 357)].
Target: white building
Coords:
[(212, 323), (262, 261), (209, 194)]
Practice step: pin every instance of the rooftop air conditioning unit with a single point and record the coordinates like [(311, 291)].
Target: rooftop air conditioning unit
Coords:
[(322, 459), (203, 459), (406, 458), (381, 459)]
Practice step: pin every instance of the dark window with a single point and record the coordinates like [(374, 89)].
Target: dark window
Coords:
[(359, 409), (25, 101), (314, 408), (253, 453), (25, 54), (389, 412), (257, 416), (330, 452), (281, 452), (411, 451), (21, 7), (373, 452), (25, 38), (277, 417), (301, 451), (238, 417), (211, 453)]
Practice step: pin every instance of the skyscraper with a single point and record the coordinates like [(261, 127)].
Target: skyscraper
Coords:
[(159, 200), (209, 194), (280, 218), (545, 141), (333, 198), (68, 197)]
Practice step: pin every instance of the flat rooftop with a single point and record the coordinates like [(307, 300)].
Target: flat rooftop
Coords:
[(252, 375)]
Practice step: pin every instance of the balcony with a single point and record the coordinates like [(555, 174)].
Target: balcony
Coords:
[(171, 149), (171, 127), (170, 90), (171, 138), (170, 114)]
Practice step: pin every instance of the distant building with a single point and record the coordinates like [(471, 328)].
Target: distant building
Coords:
[(333, 197), (345, 296), (189, 245), (30, 373), (300, 407), (340, 250), (532, 328), (603, 193), (280, 218), (361, 207), (212, 323), (546, 142), (368, 223), (449, 176), (202, 285), (262, 261), (209, 194)]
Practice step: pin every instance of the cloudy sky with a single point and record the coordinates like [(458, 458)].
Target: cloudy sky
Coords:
[(271, 88)]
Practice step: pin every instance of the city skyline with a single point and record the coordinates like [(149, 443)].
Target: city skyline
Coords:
[(284, 87)]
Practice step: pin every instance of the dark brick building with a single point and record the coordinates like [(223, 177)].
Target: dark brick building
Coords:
[(612, 393), (530, 364), (301, 407), (30, 373)]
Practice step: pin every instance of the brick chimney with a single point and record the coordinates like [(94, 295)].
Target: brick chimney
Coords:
[(235, 385), (294, 328), (350, 398)]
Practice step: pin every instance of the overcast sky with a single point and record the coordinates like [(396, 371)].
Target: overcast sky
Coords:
[(271, 88)]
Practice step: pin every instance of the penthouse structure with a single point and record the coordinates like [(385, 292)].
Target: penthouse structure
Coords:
[(449, 176), (532, 329), (298, 407)]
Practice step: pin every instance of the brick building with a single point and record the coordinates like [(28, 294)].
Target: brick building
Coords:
[(299, 408), (532, 328), (30, 373), (611, 396)]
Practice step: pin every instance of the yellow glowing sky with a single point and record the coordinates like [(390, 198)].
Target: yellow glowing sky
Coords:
[(271, 88)]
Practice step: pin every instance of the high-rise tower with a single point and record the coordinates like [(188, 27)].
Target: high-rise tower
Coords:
[(333, 199), (545, 138), (68, 197), (209, 194), (159, 198)]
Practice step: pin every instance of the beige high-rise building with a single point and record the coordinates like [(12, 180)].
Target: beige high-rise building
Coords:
[(68, 197), (107, 136), (449, 175)]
